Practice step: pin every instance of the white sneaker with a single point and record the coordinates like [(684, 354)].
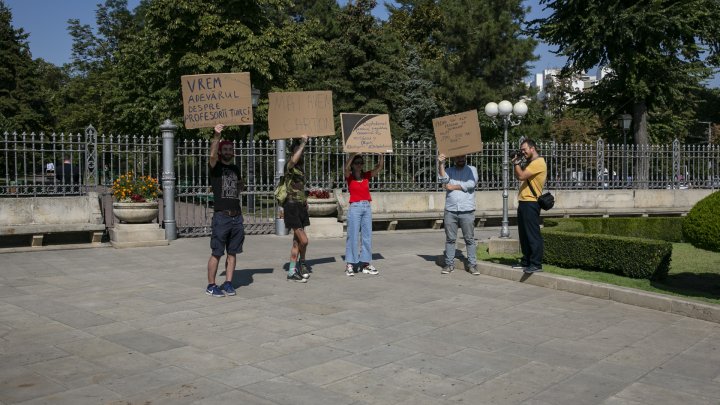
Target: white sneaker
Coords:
[(370, 269), (349, 270)]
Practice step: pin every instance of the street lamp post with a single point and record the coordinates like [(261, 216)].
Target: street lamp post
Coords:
[(624, 121), (509, 115), (255, 98)]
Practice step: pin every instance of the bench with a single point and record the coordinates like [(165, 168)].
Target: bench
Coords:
[(392, 207), (40, 216)]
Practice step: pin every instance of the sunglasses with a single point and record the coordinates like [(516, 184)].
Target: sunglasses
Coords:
[(358, 163)]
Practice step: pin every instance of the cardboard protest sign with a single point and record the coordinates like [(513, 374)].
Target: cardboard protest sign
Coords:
[(292, 114), (220, 98), (458, 134), (366, 133)]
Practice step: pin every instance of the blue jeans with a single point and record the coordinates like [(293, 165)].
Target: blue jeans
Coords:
[(466, 221), (359, 220)]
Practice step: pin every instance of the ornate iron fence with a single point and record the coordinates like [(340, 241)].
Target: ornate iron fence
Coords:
[(33, 165)]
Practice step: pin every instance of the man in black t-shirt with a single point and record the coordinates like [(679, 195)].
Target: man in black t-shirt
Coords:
[(228, 232)]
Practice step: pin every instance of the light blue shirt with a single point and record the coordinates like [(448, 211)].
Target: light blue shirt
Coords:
[(467, 178)]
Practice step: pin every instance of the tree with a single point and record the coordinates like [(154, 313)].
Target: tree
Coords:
[(417, 106), (485, 56), (22, 105), (659, 51)]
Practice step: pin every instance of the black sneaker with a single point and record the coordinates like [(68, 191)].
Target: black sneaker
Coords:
[(447, 269), (296, 277), (303, 270), (532, 269), (519, 266)]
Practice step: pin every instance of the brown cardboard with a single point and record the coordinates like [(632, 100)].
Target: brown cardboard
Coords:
[(366, 133), (292, 114), (458, 134), (219, 98)]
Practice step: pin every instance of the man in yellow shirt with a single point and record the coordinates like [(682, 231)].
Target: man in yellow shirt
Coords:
[(532, 174)]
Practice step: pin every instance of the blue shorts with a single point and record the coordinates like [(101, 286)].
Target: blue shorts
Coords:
[(228, 233)]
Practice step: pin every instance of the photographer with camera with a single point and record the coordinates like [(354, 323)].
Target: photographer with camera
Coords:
[(531, 169)]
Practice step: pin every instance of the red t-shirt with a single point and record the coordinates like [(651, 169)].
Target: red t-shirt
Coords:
[(359, 190)]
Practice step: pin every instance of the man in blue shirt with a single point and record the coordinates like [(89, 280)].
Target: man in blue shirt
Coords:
[(459, 182)]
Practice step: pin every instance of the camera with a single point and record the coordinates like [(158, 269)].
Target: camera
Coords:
[(517, 155)]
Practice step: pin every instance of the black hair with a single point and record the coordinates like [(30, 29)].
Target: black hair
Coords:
[(531, 144)]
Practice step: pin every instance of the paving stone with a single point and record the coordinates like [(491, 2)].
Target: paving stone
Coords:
[(234, 397), (288, 391), (139, 383), (327, 373), (26, 385), (79, 318), (241, 375), (420, 381), (381, 355), (367, 388), (650, 394), (516, 386), (177, 394), (144, 342), (90, 395), (301, 359), (72, 371), (581, 389), (194, 359)]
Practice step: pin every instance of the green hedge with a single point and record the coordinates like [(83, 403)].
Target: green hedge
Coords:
[(702, 224), (630, 257), (669, 229)]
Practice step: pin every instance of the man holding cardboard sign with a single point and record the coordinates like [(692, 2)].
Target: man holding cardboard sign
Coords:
[(218, 98), (459, 181)]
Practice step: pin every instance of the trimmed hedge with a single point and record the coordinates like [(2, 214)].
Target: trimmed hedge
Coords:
[(630, 257), (702, 225), (669, 229)]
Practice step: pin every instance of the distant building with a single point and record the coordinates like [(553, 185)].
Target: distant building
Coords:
[(578, 83)]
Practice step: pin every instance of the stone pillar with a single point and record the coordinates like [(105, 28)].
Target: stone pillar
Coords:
[(168, 179)]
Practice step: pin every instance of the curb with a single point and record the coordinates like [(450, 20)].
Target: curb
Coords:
[(644, 299)]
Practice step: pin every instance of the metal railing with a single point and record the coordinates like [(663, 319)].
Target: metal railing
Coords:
[(95, 161)]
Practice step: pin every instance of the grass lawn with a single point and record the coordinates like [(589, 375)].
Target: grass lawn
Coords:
[(694, 273)]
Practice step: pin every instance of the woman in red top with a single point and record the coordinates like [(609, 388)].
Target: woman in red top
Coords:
[(359, 218)]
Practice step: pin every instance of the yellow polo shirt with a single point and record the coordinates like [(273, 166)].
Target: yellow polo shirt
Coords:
[(538, 168)]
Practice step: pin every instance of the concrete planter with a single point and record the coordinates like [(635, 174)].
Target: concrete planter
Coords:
[(322, 207), (135, 212)]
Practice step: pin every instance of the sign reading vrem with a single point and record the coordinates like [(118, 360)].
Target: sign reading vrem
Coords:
[(220, 98)]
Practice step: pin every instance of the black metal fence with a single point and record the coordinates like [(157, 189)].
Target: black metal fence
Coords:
[(66, 164)]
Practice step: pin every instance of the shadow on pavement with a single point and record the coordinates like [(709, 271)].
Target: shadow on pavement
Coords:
[(244, 277)]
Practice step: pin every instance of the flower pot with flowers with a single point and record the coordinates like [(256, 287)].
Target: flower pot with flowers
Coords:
[(136, 198), (321, 203)]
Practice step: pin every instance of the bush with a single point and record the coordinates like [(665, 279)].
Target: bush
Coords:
[(630, 257), (702, 225), (668, 229)]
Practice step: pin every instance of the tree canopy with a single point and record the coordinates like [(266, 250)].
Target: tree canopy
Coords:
[(659, 52), (430, 58)]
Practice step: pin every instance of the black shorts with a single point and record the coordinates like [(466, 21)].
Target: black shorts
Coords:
[(296, 215), (228, 233)]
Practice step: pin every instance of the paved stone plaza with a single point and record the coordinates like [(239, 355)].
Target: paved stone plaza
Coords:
[(134, 326)]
